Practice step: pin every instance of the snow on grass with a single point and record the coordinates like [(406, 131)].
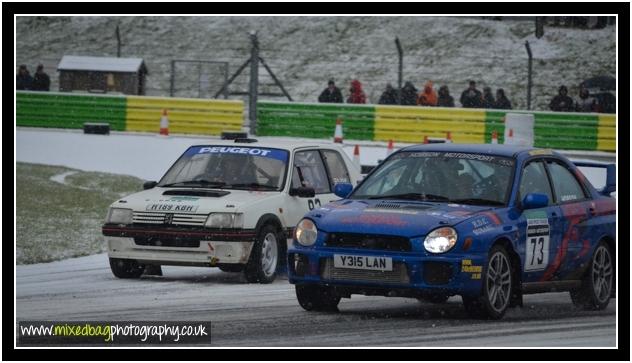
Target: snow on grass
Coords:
[(60, 220)]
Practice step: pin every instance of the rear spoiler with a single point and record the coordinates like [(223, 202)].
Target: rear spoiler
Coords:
[(611, 177)]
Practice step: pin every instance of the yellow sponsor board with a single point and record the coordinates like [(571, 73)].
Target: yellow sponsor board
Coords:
[(412, 124), (190, 116)]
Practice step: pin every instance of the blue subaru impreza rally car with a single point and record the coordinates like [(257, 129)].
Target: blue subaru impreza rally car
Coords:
[(487, 222)]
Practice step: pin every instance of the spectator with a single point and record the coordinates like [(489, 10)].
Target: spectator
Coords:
[(331, 94), (389, 96), (409, 94), (586, 103), (445, 100), (428, 97), (562, 102), (24, 81), (471, 97), (502, 102), (488, 98), (41, 81), (357, 95)]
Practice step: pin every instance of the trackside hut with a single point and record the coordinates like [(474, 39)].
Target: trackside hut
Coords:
[(102, 75)]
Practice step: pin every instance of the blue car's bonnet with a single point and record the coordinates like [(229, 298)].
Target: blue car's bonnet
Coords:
[(402, 218)]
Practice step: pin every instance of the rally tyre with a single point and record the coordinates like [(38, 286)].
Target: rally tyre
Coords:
[(264, 257), (596, 288), (317, 298), (231, 267), (126, 269), (496, 290)]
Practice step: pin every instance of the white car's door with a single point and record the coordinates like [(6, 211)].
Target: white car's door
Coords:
[(318, 169)]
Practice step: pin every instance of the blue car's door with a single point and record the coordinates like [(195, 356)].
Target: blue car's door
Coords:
[(576, 211), (539, 229)]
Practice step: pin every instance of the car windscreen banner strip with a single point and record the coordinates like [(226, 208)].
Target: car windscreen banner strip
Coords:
[(239, 150), (456, 155)]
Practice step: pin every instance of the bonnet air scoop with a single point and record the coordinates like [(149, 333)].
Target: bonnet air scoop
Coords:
[(198, 193)]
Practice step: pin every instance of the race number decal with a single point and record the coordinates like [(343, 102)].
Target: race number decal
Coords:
[(537, 246)]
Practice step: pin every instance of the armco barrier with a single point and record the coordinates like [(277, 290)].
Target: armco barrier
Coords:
[(186, 116), (411, 124), (563, 130), (64, 110), (316, 120), (576, 131), (128, 113)]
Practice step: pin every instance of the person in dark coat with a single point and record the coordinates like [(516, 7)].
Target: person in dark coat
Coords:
[(502, 102), (445, 100), (41, 81), (389, 96), (562, 102), (331, 94), (409, 94), (488, 98), (471, 97), (24, 81)]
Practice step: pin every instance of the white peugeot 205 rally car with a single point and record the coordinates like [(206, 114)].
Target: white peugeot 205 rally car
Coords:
[(231, 205)]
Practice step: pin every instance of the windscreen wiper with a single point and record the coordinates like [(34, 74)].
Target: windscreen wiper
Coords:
[(414, 196), (253, 185), (477, 201), (201, 182)]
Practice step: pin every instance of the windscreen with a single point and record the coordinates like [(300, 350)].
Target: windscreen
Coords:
[(229, 167), (440, 177)]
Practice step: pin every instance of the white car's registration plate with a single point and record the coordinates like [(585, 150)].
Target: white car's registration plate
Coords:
[(364, 262)]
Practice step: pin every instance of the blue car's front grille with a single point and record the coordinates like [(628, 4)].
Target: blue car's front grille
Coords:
[(368, 241)]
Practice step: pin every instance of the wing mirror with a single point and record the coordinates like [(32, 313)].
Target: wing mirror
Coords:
[(343, 190), (303, 192), (149, 184), (534, 201)]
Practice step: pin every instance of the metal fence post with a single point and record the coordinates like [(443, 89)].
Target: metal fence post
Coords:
[(400, 71), (526, 44), (254, 81), (173, 78)]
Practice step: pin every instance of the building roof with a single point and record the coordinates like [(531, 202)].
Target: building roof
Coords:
[(104, 64)]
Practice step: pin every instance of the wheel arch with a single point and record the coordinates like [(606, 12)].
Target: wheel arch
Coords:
[(269, 219)]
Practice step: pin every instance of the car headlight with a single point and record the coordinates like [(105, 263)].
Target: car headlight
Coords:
[(440, 240), (306, 232), (120, 216), (225, 220)]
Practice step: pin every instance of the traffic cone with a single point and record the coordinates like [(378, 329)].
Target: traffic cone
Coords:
[(494, 137), (425, 139), (448, 138), (164, 124), (338, 133), (389, 149), (356, 155)]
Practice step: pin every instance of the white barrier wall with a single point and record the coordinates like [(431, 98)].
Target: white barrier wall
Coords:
[(521, 125)]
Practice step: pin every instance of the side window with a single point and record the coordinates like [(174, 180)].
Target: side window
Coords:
[(566, 186), (309, 171), (338, 172), (534, 180)]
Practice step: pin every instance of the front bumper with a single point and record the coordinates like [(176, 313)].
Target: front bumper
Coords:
[(414, 273), (173, 246)]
